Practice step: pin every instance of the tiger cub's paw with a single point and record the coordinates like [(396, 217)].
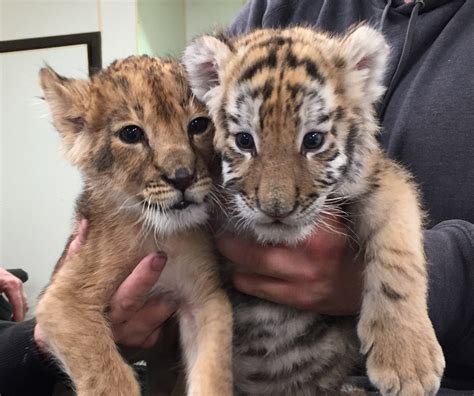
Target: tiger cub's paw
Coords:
[(403, 360)]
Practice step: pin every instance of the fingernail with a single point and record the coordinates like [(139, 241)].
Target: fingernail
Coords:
[(158, 262)]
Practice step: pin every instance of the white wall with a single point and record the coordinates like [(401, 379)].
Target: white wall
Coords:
[(37, 186)]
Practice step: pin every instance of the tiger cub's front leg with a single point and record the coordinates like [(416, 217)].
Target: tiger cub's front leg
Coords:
[(403, 354)]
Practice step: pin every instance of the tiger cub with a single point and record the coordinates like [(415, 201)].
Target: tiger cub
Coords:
[(143, 144), (295, 127)]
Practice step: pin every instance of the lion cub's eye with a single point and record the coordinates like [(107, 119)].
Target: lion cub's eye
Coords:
[(198, 125), (131, 134), (245, 141), (313, 141)]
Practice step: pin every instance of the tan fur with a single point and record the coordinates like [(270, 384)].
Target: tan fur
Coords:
[(260, 84), (121, 182)]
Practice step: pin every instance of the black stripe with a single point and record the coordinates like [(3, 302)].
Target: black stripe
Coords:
[(311, 370), (323, 118), (266, 62), (122, 81), (233, 118), (391, 293), (338, 114), (351, 143), (327, 182), (334, 156), (138, 109), (104, 159), (231, 184), (294, 89), (267, 88), (278, 41), (339, 62), (311, 67)]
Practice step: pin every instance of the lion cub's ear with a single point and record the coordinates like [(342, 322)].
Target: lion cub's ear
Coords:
[(67, 98)]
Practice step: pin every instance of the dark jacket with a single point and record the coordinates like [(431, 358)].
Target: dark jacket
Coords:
[(23, 370), (428, 126)]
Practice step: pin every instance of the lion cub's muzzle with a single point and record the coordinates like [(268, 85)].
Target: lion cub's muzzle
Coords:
[(177, 191)]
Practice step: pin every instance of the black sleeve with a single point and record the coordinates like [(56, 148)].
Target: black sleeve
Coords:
[(23, 371), (249, 17), (278, 14), (267, 14), (449, 248)]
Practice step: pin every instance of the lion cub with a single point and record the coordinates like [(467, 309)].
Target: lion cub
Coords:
[(142, 143)]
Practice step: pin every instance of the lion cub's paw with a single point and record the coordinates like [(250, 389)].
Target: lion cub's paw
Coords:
[(404, 361)]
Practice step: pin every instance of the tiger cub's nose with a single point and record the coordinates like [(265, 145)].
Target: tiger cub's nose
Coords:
[(182, 179)]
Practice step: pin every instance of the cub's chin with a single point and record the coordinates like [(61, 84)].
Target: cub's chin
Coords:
[(177, 218), (280, 233)]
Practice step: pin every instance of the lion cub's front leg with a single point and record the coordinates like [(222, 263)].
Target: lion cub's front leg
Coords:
[(205, 319), (71, 315), (206, 335), (403, 354)]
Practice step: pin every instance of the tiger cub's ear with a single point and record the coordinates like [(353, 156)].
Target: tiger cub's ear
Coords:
[(204, 60), (365, 53), (68, 100)]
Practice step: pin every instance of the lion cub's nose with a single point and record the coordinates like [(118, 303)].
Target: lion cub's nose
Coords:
[(182, 179)]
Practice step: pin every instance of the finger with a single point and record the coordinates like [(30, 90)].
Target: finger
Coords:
[(82, 231), (151, 339), (25, 302), (250, 257), (78, 240), (151, 317), (267, 288), (132, 293), (14, 294)]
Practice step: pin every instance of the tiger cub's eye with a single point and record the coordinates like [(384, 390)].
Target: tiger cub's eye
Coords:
[(244, 141), (313, 141), (198, 125), (131, 134)]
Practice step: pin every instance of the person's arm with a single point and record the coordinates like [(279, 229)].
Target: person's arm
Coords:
[(449, 248), (23, 368)]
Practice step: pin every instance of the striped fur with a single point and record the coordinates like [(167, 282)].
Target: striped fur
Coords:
[(276, 88)]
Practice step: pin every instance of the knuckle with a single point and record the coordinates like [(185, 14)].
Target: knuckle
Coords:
[(311, 274), (13, 283), (130, 304), (270, 257), (305, 300)]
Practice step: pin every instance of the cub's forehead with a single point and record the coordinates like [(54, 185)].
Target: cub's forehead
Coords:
[(144, 75), (143, 89), (286, 73), (291, 61)]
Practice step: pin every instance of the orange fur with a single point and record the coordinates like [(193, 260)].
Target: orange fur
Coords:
[(135, 199)]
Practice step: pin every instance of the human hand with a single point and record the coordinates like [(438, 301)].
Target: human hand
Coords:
[(135, 320), (13, 288), (320, 274)]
